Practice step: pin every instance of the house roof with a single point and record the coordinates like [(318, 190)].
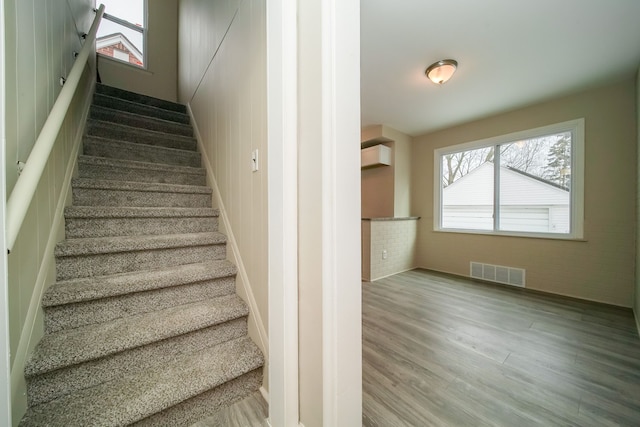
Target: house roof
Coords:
[(537, 178), (117, 38), (516, 188)]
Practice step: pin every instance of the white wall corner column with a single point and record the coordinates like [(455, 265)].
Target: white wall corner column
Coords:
[(342, 307), (282, 211), (314, 213), (330, 355)]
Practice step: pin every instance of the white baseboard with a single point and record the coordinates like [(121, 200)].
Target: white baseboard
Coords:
[(265, 394), (389, 275), (27, 336), (232, 244)]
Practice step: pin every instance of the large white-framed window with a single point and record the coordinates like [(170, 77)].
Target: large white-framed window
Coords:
[(122, 35), (528, 183)]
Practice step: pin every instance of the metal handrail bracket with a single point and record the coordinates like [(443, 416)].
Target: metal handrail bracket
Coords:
[(27, 183)]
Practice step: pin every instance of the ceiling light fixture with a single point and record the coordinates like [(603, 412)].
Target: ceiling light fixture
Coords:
[(441, 71)]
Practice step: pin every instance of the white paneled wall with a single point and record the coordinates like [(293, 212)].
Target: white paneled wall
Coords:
[(222, 76), (41, 36), (636, 304)]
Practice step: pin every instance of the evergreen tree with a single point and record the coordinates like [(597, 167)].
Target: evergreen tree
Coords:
[(558, 169)]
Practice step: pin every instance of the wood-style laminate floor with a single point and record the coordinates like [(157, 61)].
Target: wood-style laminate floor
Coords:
[(445, 351), (250, 412)]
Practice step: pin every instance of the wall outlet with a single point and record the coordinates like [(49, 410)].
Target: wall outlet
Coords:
[(384, 254)]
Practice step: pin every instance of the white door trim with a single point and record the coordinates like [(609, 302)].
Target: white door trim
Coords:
[(282, 184), (5, 348)]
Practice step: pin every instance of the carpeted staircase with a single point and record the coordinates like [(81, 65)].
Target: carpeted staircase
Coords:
[(143, 325)]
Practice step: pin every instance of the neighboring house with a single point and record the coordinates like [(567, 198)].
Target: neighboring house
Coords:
[(527, 203), (118, 46)]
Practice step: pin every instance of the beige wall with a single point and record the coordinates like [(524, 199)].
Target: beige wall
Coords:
[(40, 39), (227, 98), (386, 190), (378, 189), (160, 77), (601, 268), (401, 172)]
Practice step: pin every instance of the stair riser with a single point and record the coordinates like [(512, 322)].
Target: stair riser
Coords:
[(140, 153), (206, 404), (100, 197), (139, 175), (69, 267), (51, 385), (139, 136), (143, 122), (103, 310), (104, 227), (141, 109), (141, 99)]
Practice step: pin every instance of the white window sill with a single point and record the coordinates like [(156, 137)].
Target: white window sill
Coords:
[(549, 236)]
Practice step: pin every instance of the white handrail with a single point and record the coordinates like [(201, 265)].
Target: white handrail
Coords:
[(27, 183)]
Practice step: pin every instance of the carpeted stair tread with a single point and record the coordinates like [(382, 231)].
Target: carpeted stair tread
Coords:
[(94, 167), (133, 398), (140, 99), (136, 164), (105, 221), (107, 184), (70, 316), (54, 384), (117, 149), (92, 288), (137, 212), (127, 118), (139, 135), (102, 245), (142, 109), (207, 404), (73, 346)]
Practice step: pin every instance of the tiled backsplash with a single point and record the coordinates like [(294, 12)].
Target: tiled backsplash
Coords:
[(391, 246)]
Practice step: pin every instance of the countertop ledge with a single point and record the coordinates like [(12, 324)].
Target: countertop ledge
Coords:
[(399, 218)]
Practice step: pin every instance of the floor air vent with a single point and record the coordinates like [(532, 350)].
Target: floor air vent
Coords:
[(497, 273)]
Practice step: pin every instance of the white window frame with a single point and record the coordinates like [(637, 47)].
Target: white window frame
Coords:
[(144, 30), (576, 127)]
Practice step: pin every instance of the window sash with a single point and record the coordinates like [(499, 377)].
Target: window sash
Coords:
[(123, 22), (576, 196)]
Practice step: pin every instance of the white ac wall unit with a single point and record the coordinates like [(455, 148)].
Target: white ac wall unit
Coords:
[(378, 155)]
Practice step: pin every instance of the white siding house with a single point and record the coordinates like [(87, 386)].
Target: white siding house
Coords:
[(527, 203)]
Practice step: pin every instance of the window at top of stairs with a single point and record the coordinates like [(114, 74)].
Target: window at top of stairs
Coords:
[(123, 31)]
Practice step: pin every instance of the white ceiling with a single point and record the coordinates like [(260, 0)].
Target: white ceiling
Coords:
[(510, 53)]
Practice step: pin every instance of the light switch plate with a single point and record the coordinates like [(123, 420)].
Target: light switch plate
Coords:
[(254, 161)]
